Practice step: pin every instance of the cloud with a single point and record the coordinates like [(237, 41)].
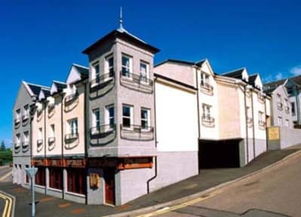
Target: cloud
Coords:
[(296, 70), (279, 76)]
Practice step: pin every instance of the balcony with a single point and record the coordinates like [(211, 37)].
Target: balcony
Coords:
[(39, 145), (25, 146), (102, 135), (71, 140), (206, 88), (17, 147), (208, 121), (70, 101), (51, 143), (261, 124), (136, 82), (136, 133), (17, 122), (102, 85)]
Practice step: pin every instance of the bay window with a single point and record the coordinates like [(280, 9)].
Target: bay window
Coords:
[(126, 68), (127, 115)]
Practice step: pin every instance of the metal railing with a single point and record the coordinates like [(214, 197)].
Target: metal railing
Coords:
[(208, 121), (51, 140), (98, 81), (39, 142), (136, 132), (206, 88), (102, 130), (71, 137), (71, 97), (136, 82), (17, 146), (25, 144), (25, 117)]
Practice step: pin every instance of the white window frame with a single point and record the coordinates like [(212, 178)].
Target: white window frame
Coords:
[(286, 123), (25, 136), (71, 129), (52, 130), (109, 118), (205, 79), (206, 111), (40, 134), (94, 71), (95, 122), (147, 119), (144, 78), (130, 117), (18, 115), (129, 68), (26, 112), (109, 68), (18, 140), (279, 119)]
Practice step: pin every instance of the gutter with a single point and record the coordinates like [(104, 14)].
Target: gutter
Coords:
[(198, 118), (86, 84), (45, 145), (246, 115), (155, 124)]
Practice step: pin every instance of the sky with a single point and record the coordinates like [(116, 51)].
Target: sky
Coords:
[(40, 39)]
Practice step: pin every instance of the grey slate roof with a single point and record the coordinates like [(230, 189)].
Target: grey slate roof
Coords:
[(271, 86), (234, 74), (60, 85), (124, 35), (84, 71), (35, 88), (252, 79), (198, 63)]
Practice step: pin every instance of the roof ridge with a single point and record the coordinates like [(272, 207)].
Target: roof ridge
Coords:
[(60, 82), (76, 64), (242, 68), (38, 85)]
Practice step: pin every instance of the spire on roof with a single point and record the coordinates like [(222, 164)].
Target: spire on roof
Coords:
[(121, 21)]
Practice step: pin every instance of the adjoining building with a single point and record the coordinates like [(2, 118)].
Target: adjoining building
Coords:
[(22, 130)]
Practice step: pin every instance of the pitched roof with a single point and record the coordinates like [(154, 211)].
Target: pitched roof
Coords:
[(296, 79), (234, 74), (82, 70), (124, 35), (35, 88), (60, 85), (198, 63), (252, 79), (271, 86)]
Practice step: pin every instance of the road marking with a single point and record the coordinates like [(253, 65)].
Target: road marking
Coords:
[(182, 205), (5, 176), (7, 212)]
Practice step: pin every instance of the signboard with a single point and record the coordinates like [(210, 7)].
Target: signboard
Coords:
[(31, 172), (274, 133)]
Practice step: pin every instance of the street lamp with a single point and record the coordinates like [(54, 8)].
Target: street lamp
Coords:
[(31, 172)]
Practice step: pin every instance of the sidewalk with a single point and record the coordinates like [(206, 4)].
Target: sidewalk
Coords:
[(49, 206)]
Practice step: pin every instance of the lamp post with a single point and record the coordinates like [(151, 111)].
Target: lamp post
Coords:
[(32, 172)]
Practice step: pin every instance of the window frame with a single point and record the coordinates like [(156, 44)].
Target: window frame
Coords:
[(108, 118), (127, 74), (107, 68), (71, 128), (147, 120), (95, 122), (95, 72), (131, 110), (144, 78)]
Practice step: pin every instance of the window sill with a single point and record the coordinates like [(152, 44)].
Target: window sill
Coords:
[(55, 189)]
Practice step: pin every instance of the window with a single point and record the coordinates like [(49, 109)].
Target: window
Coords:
[(40, 135), (56, 178), (25, 112), (96, 118), (26, 137), (126, 66), (110, 117), (73, 126), (109, 65), (76, 180), (145, 118), (127, 115), (293, 108), (279, 102), (206, 111), (18, 114), (286, 123), (52, 130), (40, 177), (18, 140), (261, 119), (204, 79), (96, 71), (279, 121), (144, 71)]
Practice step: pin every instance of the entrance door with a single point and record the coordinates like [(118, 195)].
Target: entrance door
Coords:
[(109, 176)]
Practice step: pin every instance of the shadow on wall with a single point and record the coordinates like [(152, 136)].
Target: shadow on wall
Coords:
[(219, 154)]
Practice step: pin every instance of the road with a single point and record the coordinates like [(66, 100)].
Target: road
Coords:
[(4, 170), (6, 201), (274, 193)]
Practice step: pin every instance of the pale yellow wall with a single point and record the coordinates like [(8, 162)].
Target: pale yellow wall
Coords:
[(38, 122), (54, 117), (229, 111), (78, 147)]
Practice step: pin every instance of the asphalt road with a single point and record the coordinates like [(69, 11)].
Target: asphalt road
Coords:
[(274, 193), (3, 171)]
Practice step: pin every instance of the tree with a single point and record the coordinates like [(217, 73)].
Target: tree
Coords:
[(2, 146)]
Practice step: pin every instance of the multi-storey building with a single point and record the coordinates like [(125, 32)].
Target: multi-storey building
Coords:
[(122, 121), (22, 130)]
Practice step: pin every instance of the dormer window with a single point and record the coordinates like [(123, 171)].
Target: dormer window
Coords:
[(204, 79), (51, 103), (71, 93), (126, 69), (205, 85)]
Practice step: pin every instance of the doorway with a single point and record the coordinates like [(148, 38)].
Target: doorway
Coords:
[(109, 177)]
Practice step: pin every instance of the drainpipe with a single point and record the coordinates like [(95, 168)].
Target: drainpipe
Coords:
[(198, 114), (155, 131), (254, 149), (62, 145), (246, 116), (45, 145), (86, 84), (266, 124)]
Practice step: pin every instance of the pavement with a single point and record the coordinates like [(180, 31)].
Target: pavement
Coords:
[(208, 178)]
